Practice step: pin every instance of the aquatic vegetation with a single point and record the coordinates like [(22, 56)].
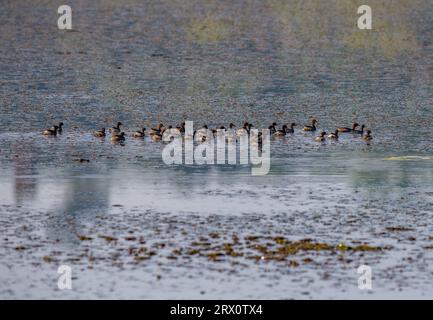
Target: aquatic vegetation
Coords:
[(394, 229), (48, 259), (108, 238), (81, 160), (84, 238), (267, 250), (130, 238), (293, 263)]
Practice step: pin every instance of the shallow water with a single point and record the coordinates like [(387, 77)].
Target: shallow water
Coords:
[(215, 62)]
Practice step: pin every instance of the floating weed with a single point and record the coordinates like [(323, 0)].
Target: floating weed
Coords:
[(142, 249), (200, 244), (291, 248), (254, 257), (193, 252), (342, 247), (130, 238), (362, 247), (84, 238), (214, 256), (47, 259), (252, 238), (293, 263), (261, 248), (177, 252), (397, 229), (280, 240), (366, 247), (108, 238), (235, 238), (138, 258), (228, 248), (214, 235)]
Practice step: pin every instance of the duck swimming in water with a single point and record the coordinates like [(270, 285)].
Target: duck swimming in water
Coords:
[(118, 137), (311, 127), (116, 129), (182, 128), (321, 138), (273, 128), (139, 133), (360, 131), (156, 137), (367, 136), (51, 132), (99, 133), (157, 130), (231, 133), (291, 129), (345, 129), (282, 132), (334, 135), (59, 128)]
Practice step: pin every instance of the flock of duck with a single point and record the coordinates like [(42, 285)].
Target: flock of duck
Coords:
[(117, 135)]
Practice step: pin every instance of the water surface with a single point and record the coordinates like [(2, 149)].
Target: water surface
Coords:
[(215, 62)]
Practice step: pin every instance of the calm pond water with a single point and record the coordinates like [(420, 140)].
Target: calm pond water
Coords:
[(132, 227)]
